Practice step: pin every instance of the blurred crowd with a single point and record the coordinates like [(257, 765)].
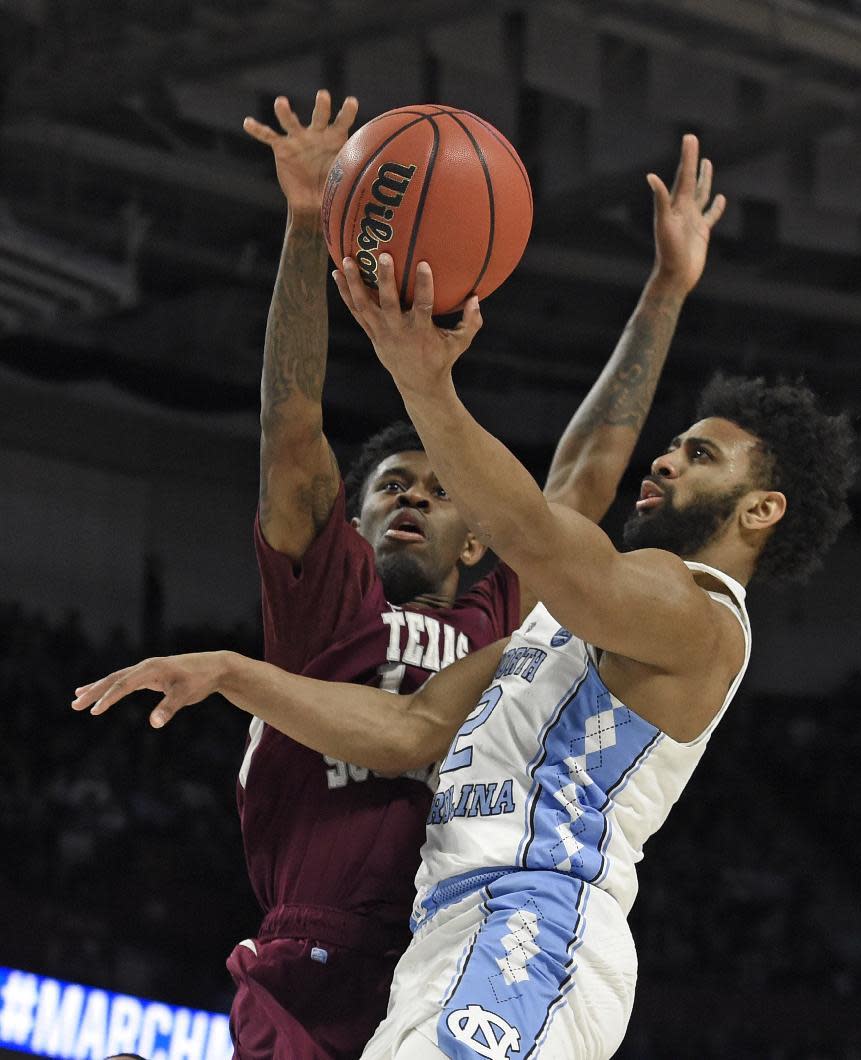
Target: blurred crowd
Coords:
[(124, 864)]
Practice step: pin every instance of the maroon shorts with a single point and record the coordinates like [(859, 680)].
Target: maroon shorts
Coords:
[(316, 987)]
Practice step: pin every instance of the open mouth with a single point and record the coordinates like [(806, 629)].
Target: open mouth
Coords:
[(650, 496), (405, 528)]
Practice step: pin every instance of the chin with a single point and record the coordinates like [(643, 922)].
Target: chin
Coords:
[(403, 576)]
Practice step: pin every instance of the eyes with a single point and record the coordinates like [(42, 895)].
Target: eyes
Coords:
[(396, 486), (695, 451)]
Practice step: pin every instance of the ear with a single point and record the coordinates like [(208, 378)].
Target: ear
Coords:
[(762, 510), (355, 522), (472, 551)]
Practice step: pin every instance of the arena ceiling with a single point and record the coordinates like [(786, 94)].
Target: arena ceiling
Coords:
[(140, 227)]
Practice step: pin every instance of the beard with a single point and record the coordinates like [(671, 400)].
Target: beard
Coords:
[(682, 531), (403, 577)]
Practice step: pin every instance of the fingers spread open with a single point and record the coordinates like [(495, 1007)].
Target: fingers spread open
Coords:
[(260, 131), (714, 213), (659, 191), (423, 290), (343, 289), (286, 118), (86, 695), (471, 321), (165, 709), (704, 183), (686, 174), (145, 674), (347, 114), (389, 300), (358, 292), (322, 110), (118, 690)]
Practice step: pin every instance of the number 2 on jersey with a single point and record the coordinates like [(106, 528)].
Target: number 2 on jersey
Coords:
[(460, 756)]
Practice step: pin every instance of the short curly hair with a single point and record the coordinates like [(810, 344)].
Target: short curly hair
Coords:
[(806, 454), (398, 437)]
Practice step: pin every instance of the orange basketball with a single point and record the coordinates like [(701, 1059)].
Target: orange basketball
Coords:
[(435, 184)]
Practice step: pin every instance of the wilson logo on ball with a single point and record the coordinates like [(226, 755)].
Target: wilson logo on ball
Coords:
[(388, 190), (464, 206)]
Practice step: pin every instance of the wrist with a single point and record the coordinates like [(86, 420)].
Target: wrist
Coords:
[(228, 667), (426, 390), (305, 219), (667, 288)]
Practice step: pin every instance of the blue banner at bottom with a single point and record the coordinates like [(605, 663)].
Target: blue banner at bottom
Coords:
[(49, 1017)]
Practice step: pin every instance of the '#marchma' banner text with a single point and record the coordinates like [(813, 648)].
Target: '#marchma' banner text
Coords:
[(49, 1017)]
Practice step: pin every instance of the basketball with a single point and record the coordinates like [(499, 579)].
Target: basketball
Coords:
[(430, 183)]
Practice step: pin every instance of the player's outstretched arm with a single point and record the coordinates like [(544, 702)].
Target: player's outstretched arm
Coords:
[(355, 723), (642, 605), (298, 473), (596, 447)]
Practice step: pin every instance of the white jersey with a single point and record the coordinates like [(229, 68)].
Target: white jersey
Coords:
[(551, 771)]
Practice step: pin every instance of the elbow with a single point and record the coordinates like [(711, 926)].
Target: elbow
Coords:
[(419, 752), (420, 742), (404, 759), (293, 432)]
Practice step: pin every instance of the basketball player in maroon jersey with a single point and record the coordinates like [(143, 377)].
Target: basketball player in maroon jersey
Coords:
[(332, 849)]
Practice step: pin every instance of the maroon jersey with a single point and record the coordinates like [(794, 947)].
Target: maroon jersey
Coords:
[(328, 835)]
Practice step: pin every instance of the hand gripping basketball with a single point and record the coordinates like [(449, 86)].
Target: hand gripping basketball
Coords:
[(435, 184), (418, 354)]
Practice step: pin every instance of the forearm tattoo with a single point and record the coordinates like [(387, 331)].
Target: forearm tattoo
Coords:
[(294, 366), (294, 354), (624, 397)]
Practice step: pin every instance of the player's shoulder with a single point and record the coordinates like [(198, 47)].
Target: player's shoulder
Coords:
[(709, 604), (671, 569)]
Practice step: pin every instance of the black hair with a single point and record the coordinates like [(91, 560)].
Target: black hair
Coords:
[(398, 437), (806, 454)]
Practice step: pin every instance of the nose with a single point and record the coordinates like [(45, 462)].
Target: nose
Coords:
[(413, 498), (665, 466)]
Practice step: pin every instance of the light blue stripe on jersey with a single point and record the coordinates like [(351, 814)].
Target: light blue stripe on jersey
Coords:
[(541, 755), (592, 746), (518, 968)]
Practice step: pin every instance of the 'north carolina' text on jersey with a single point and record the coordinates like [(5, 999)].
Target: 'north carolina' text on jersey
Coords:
[(551, 771)]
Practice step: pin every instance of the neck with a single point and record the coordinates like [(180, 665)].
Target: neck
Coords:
[(739, 566), (443, 596), (431, 597), (431, 601)]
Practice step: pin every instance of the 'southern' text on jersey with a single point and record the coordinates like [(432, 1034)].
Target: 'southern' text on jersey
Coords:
[(415, 639)]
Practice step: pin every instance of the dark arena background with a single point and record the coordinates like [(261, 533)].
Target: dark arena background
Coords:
[(139, 235)]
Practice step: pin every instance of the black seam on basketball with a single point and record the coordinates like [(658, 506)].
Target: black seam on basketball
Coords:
[(345, 209), (515, 157), (429, 168), (403, 110), (491, 202)]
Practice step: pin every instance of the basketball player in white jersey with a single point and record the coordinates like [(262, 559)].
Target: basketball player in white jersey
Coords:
[(603, 701), (573, 740)]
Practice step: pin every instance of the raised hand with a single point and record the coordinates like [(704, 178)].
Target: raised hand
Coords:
[(184, 679), (407, 342), (684, 217), (304, 154)]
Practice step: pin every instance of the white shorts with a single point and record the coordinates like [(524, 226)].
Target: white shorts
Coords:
[(537, 964)]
